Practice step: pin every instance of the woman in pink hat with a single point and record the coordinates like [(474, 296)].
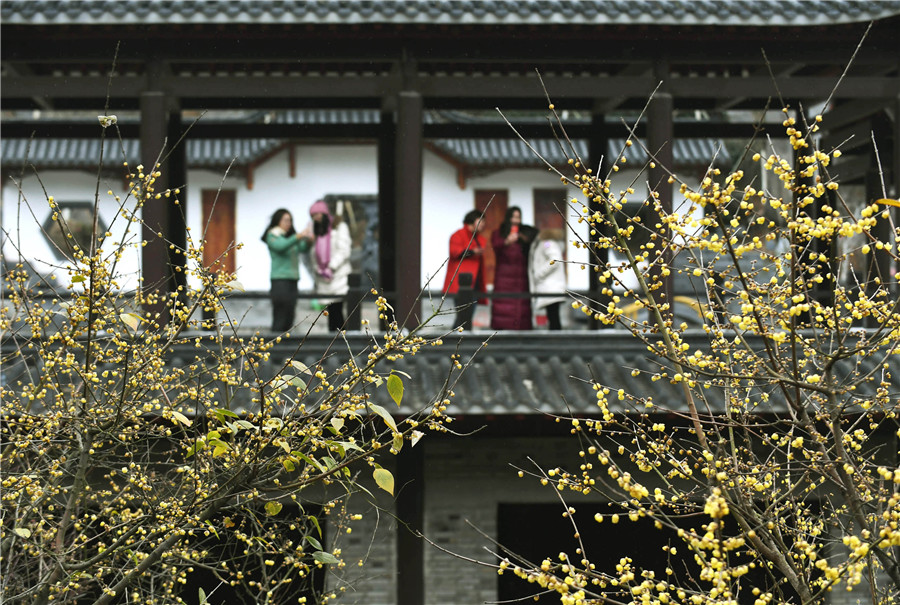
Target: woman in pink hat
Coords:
[(328, 260)]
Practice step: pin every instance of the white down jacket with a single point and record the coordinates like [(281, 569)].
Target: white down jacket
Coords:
[(545, 277), (334, 289)]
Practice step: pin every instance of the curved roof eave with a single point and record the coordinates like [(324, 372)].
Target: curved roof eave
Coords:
[(776, 13)]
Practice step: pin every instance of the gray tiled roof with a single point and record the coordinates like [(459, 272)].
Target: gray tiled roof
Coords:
[(514, 374), (215, 153), (512, 152), (533, 12), (78, 153)]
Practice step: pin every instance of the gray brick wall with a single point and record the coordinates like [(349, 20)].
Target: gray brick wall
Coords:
[(465, 480)]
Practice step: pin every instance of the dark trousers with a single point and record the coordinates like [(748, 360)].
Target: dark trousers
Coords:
[(553, 316), (284, 304), (464, 314), (335, 316)]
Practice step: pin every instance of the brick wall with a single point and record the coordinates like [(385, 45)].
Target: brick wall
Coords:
[(466, 479)]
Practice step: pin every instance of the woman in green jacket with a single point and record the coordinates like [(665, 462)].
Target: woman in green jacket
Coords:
[(285, 246)]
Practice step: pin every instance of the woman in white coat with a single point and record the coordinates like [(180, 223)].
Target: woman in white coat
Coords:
[(547, 274), (328, 261)]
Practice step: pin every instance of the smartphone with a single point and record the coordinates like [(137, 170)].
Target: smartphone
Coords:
[(514, 229)]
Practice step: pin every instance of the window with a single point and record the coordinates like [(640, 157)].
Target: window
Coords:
[(75, 219)]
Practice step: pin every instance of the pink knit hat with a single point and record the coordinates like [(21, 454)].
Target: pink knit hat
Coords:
[(319, 206)]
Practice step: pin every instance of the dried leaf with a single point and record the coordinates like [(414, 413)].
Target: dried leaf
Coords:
[(131, 320), (384, 415), (181, 418)]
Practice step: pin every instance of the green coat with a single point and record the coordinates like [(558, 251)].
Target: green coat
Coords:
[(284, 250)]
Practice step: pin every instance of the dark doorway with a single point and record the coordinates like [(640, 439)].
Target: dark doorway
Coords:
[(539, 531)]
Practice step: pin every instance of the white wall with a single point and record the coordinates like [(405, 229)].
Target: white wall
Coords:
[(320, 170), (23, 215)]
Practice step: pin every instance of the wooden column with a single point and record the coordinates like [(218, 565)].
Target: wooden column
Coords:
[(155, 213), (387, 193), (410, 482), (660, 141), (879, 262), (175, 176), (895, 179), (598, 150), (408, 211)]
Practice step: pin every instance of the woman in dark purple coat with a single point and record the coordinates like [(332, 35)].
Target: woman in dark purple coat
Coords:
[(510, 242)]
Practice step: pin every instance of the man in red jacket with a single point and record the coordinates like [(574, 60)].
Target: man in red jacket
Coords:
[(466, 267)]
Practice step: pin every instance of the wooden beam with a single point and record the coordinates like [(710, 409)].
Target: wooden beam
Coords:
[(852, 111), (358, 132), (192, 88)]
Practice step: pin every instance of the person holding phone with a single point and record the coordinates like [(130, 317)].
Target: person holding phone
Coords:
[(466, 264), (510, 242), (285, 246)]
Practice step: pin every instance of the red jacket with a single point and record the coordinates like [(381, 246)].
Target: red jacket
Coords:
[(462, 243)]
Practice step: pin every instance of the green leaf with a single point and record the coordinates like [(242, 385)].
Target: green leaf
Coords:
[(273, 423), (198, 445), (389, 420), (212, 528), (201, 597), (347, 445), (308, 460), (288, 465), (225, 412), (77, 279), (395, 388), (315, 522), (384, 479), (416, 435), (325, 557), (181, 418), (298, 382), (215, 442), (315, 543), (245, 424), (273, 508), (22, 532), (398, 442), (337, 423)]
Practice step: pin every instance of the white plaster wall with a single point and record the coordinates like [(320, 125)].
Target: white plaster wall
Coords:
[(23, 214), (320, 170), (444, 204)]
